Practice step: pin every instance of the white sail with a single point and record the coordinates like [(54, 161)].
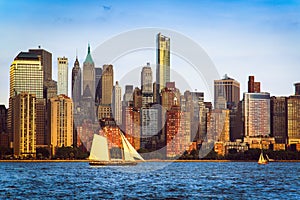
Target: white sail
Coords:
[(99, 150), (131, 149), (127, 154)]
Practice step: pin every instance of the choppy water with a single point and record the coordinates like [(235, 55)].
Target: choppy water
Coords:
[(236, 180)]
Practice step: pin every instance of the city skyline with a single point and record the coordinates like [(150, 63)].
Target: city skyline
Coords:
[(242, 38)]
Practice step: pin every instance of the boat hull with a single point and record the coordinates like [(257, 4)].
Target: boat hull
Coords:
[(112, 163)]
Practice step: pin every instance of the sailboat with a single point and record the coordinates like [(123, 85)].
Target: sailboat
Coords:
[(262, 160), (100, 155)]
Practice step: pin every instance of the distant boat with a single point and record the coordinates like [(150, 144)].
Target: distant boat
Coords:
[(100, 155), (262, 160)]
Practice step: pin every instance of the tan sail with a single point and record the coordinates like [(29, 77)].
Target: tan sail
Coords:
[(99, 150), (132, 151)]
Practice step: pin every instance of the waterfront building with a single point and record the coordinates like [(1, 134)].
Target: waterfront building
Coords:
[(26, 75), (293, 119), (229, 89), (62, 83), (256, 114), (175, 138), (163, 62), (24, 126), (3, 119), (60, 125), (279, 119), (218, 125), (89, 74)]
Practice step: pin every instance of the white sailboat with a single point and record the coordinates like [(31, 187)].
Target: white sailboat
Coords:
[(262, 160), (100, 155)]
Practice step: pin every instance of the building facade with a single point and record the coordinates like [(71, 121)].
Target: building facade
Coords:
[(60, 125), (76, 83), (147, 85), (162, 61), (117, 103), (293, 119), (256, 114), (24, 125), (62, 83), (229, 89), (279, 119)]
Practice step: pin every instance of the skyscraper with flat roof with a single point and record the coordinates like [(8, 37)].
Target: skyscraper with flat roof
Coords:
[(46, 61), (62, 83), (162, 62), (117, 103), (60, 124), (26, 75), (228, 89)]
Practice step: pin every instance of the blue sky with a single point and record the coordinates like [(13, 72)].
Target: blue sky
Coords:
[(242, 38)]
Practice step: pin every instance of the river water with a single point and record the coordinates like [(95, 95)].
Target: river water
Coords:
[(150, 180)]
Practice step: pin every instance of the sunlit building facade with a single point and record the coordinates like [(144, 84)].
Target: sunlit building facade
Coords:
[(24, 125), (62, 83), (256, 114), (60, 125)]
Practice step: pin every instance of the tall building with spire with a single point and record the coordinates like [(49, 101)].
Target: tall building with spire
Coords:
[(162, 61), (89, 73), (76, 82), (62, 83)]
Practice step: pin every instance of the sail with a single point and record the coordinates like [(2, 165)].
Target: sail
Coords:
[(99, 150), (127, 154), (131, 149), (261, 159)]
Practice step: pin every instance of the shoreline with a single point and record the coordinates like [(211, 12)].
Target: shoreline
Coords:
[(194, 161)]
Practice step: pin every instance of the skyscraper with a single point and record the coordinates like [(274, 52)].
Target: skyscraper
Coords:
[(293, 119), (98, 75), (62, 83), (24, 128), (89, 74), (107, 81), (117, 103), (26, 75), (46, 62), (163, 62), (146, 85), (279, 119), (256, 114), (229, 89), (76, 83), (60, 124), (128, 95)]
